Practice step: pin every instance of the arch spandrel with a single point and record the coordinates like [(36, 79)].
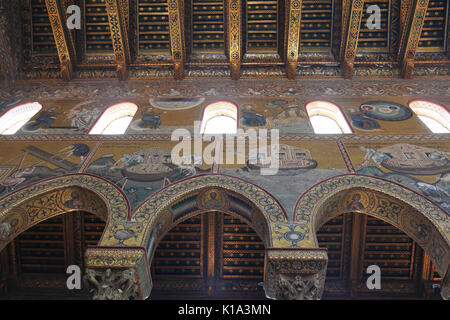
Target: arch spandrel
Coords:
[(422, 220)]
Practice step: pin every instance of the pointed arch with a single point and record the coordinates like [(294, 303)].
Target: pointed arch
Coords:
[(435, 116), (407, 210), (219, 117), (150, 213), (327, 118), (115, 119), (27, 207), (15, 118)]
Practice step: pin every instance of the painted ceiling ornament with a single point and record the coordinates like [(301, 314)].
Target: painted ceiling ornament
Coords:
[(385, 110)]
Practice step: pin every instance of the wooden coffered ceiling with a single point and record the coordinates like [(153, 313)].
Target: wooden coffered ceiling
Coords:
[(157, 39), (216, 255)]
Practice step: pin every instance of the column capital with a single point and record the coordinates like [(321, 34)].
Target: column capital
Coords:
[(118, 273), (295, 274)]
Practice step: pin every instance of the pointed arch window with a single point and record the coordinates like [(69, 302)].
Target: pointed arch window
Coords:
[(17, 117), (115, 119), (327, 118), (433, 115), (219, 118)]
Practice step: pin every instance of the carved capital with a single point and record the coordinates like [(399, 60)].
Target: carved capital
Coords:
[(106, 284), (117, 273), (299, 287), (295, 274)]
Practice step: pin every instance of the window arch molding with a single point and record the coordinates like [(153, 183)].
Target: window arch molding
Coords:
[(220, 110), (330, 110), (16, 117), (115, 119), (435, 116)]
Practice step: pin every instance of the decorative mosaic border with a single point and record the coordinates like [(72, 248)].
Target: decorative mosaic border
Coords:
[(283, 137), (114, 199), (229, 88)]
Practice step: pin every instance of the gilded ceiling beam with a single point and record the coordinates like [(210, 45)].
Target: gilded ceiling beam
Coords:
[(176, 28), (293, 38), (63, 41), (116, 11), (350, 36), (411, 36), (235, 37), (405, 7)]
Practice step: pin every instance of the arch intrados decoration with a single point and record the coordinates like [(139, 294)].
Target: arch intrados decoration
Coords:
[(330, 195), (48, 205), (114, 201), (155, 207)]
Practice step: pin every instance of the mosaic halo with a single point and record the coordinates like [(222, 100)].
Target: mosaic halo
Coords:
[(385, 110)]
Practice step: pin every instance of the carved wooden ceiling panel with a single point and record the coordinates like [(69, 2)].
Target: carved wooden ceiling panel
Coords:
[(259, 38)]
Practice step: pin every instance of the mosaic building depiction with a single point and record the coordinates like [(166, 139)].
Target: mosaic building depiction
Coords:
[(225, 149)]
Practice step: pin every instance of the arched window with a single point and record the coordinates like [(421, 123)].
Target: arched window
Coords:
[(219, 117), (15, 118), (434, 116), (115, 119), (327, 118)]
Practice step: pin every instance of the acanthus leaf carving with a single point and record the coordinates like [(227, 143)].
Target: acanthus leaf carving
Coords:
[(111, 285)]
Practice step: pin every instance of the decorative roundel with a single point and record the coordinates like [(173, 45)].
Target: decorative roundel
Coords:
[(293, 236), (387, 111)]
